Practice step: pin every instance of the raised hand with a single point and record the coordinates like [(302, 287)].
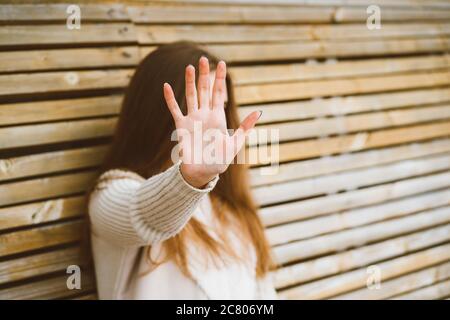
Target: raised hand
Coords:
[(203, 131)]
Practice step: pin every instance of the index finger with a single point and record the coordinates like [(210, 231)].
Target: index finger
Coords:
[(171, 102), (219, 88)]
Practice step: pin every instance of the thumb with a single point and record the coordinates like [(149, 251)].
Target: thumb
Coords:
[(245, 127)]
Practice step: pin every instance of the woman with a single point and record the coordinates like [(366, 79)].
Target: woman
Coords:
[(183, 229)]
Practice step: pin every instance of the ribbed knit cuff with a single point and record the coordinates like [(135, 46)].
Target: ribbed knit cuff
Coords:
[(164, 203)]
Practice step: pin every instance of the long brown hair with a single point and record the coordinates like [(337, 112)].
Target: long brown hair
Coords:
[(142, 144)]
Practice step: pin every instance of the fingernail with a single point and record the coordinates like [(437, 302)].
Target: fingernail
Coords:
[(260, 114)]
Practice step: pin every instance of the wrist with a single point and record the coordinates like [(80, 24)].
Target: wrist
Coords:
[(195, 178)]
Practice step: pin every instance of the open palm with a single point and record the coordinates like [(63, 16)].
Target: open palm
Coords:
[(207, 149)]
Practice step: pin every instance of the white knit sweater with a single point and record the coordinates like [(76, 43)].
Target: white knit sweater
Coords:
[(128, 213)]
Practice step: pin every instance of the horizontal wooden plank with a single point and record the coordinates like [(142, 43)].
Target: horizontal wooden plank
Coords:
[(289, 3), (438, 290), (352, 161), (33, 83), (338, 106), (323, 49), (342, 240), (359, 257), (11, 137), (43, 111), (43, 211), (389, 30), (402, 284), (349, 143), (332, 286), (302, 90), (157, 34), (320, 49), (173, 13), (53, 288), (38, 238), (58, 12), (38, 60), (48, 187), (355, 218), (350, 14), (38, 264), (352, 199), (37, 164), (60, 34), (349, 180), (334, 69), (322, 127)]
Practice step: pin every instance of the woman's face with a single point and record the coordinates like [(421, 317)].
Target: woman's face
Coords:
[(212, 76)]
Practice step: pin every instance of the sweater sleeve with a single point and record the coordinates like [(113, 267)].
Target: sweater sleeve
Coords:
[(132, 211)]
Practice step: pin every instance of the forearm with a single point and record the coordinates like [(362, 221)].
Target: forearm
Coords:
[(162, 205), (142, 212)]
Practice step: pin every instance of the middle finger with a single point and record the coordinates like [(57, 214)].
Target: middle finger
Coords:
[(191, 92), (203, 83)]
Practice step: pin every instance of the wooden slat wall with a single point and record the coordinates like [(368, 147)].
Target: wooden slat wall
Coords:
[(364, 120)]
